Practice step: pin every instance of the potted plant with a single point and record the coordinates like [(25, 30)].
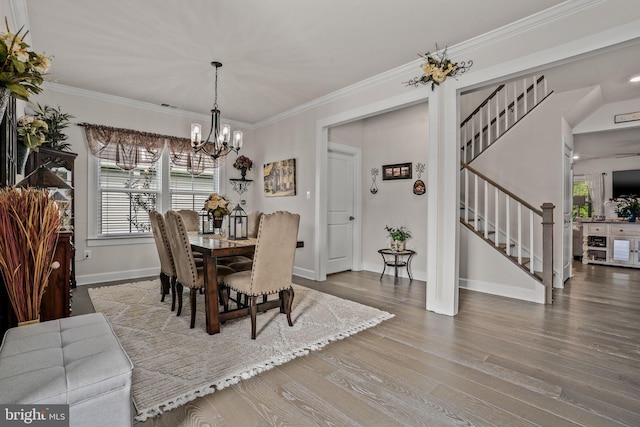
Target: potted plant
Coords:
[(57, 122), (21, 70), (243, 164), (217, 207), (628, 207), (29, 226), (398, 237), (31, 135)]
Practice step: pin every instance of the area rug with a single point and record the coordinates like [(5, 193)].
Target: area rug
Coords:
[(174, 364)]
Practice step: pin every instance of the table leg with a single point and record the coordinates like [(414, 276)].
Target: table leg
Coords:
[(395, 257), (211, 294), (409, 267), (384, 265)]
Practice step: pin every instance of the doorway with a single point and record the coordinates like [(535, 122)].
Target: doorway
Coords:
[(343, 210)]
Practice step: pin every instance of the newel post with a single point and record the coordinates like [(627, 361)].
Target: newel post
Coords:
[(547, 250)]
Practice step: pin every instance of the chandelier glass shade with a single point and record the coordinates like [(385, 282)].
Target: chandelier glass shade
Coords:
[(219, 142)]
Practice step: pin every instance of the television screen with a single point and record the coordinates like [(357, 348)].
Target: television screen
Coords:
[(626, 183)]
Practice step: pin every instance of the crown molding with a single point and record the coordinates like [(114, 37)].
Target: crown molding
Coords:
[(128, 102), (569, 7), (528, 23)]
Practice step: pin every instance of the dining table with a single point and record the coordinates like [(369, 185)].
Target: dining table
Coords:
[(212, 247)]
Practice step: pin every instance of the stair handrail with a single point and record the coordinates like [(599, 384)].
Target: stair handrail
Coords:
[(498, 89), (501, 188), (545, 212)]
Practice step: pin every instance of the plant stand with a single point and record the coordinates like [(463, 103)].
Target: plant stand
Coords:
[(397, 261)]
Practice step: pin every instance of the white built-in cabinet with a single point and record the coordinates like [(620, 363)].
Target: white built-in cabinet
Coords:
[(611, 243)]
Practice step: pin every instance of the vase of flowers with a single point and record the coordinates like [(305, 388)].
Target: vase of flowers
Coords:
[(21, 70), (398, 237), (29, 226), (217, 207), (244, 164)]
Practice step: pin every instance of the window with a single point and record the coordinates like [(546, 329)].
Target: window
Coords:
[(126, 197), (581, 200)]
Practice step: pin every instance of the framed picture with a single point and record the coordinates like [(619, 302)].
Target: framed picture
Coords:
[(397, 171), (280, 178)]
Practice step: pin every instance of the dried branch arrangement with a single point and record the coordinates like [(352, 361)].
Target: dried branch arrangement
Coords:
[(29, 226)]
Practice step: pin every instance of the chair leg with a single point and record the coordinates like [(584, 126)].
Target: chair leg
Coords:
[(164, 285), (173, 293), (252, 310), (179, 292), (192, 297), (288, 303), (224, 294)]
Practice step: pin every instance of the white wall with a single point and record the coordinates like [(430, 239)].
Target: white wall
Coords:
[(497, 56), (396, 137), (116, 261)]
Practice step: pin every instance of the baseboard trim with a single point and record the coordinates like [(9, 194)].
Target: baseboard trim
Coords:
[(90, 279), (530, 295)]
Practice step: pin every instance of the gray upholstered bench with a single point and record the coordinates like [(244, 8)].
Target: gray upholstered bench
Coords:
[(76, 361)]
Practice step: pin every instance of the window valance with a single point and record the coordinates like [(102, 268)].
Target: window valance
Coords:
[(127, 148), (182, 154), (130, 148)]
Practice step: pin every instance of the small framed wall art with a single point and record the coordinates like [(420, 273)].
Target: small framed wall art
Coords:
[(280, 178), (397, 171)]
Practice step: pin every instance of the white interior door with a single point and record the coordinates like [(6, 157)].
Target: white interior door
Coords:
[(567, 214), (340, 211)]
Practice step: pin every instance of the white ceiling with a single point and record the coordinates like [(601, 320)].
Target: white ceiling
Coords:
[(278, 54)]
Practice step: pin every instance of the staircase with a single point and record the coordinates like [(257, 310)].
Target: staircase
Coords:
[(510, 225)]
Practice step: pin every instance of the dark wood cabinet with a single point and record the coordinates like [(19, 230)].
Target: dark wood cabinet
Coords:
[(56, 300), (62, 164)]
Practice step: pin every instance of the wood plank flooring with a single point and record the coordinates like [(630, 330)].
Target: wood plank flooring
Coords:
[(500, 362)]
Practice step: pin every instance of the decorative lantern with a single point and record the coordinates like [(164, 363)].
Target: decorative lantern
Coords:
[(238, 224)]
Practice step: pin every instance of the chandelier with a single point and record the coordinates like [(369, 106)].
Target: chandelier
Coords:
[(218, 143)]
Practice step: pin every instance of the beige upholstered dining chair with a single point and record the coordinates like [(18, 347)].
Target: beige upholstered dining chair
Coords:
[(167, 268), (186, 270), (191, 220), (272, 264)]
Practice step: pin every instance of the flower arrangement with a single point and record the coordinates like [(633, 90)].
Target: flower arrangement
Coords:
[(243, 162), (436, 68), (56, 122), (21, 70), (32, 131), (217, 205), (398, 234), (29, 226), (628, 207)]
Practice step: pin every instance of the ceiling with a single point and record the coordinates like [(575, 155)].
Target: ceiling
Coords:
[(277, 54)]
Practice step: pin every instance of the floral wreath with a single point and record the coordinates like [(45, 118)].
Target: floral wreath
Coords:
[(437, 67)]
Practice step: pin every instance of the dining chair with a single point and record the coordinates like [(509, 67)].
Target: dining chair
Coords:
[(187, 273), (191, 219), (272, 269), (167, 268)]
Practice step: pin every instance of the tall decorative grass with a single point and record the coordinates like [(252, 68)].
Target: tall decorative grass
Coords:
[(29, 226)]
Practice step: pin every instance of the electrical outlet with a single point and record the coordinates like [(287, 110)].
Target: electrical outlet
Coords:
[(87, 254)]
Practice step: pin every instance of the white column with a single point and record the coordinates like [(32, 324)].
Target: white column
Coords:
[(443, 202)]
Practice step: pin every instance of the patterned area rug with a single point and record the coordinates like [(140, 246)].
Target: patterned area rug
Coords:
[(174, 364)]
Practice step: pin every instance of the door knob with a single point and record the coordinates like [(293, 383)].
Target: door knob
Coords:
[(351, 218)]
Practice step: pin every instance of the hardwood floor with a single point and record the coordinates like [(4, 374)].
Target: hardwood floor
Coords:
[(499, 362)]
